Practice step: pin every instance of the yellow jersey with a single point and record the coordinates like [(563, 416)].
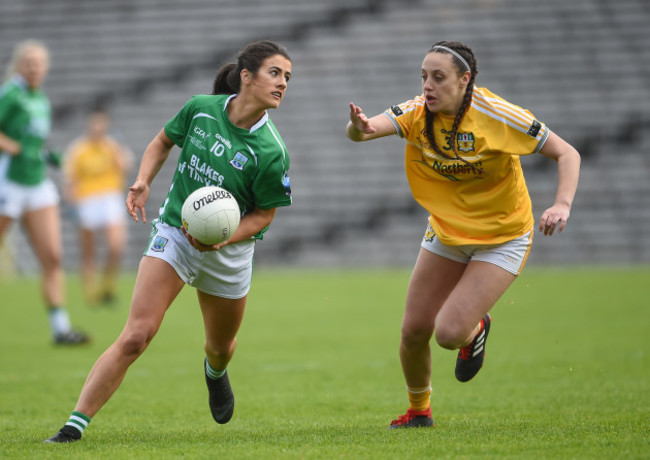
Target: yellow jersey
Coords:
[(93, 167), (484, 204)]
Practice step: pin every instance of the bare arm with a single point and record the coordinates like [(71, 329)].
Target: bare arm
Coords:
[(568, 167), (250, 225), (9, 145), (361, 128), (153, 158), (69, 176)]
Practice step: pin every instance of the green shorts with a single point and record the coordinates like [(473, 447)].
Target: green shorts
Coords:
[(224, 273)]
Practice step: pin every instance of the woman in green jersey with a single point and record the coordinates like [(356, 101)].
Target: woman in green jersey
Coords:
[(26, 193), (226, 139)]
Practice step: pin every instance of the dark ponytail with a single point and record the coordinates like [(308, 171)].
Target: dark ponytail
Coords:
[(228, 79), (468, 55)]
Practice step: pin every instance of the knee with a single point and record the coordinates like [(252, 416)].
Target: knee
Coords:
[(450, 336), (115, 253), (133, 343), (52, 260), (220, 349), (115, 249), (414, 337)]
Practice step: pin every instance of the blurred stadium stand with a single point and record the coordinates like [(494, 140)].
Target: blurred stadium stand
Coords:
[(580, 66)]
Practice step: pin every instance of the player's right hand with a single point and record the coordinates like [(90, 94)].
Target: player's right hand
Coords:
[(136, 200), (360, 120)]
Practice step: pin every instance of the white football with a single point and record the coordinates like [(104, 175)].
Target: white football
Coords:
[(210, 214)]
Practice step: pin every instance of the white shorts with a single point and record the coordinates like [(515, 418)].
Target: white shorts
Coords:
[(511, 255), (101, 211), (17, 199), (224, 273)]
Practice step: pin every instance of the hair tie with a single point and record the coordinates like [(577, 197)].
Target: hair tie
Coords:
[(449, 50)]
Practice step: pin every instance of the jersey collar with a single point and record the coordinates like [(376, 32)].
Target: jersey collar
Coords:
[(257, 125)]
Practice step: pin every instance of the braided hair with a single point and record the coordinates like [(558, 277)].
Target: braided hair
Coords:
[(461, 67)]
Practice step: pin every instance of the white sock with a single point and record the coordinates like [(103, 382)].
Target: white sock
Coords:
[(59, 321)]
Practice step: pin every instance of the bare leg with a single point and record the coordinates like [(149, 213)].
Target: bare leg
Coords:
[(116, 238), (475, 294), (5, 222), (88, 265), (44, 229), (221, 318), (432, 280), (450, 298), (156, 286)]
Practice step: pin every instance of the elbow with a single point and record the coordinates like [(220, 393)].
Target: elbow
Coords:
[(575, 157), (263, 217)]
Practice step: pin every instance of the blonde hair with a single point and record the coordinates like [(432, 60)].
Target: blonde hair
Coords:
[(19, 52)]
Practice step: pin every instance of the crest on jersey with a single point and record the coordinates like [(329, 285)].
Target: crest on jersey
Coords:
[(465, 142), (239, 160), (429, 235), (286, 183)]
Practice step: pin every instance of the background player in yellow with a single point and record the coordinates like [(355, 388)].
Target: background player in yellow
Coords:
[(95, 172), (462, 164)]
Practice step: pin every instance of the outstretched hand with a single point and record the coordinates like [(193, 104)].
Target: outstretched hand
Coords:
[(554, 218), (136, 199), (360, 120)]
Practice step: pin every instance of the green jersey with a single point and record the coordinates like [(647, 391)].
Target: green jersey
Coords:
[(252, 164), (25, 117)]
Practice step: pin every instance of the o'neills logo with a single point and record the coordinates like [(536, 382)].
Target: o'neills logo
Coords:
[(209, 198)]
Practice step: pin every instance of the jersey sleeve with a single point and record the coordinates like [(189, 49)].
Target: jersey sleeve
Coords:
[(516, 140), (176, 128), (7, 102), (513, 129), (272, 184), (402, 116)]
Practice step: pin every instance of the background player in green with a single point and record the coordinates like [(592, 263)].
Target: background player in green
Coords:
[(226, 139), (26, 193)]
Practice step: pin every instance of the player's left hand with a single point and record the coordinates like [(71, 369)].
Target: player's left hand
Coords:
[(200, 246), (554, 218)]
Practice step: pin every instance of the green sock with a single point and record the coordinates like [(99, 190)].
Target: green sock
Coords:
[(78, 421), (213, 373)]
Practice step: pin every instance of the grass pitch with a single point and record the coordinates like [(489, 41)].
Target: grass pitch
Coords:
[(317, 374)]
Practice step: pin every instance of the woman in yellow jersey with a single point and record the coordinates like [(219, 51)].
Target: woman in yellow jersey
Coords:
[(462, 164), (27, 194), (95, 170)]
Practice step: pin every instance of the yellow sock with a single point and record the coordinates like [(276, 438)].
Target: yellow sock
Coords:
[(419, 398), (108, 285)]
